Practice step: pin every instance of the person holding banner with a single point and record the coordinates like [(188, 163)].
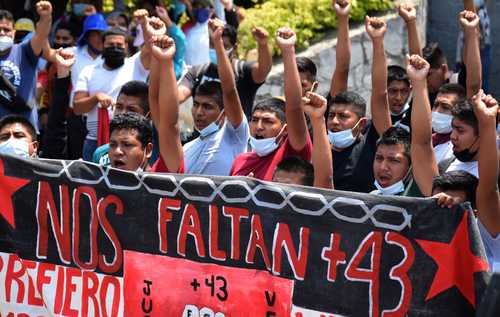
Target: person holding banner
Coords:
[(218, 116), (276, 135)]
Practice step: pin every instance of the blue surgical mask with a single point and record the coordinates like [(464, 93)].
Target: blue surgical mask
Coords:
[(394, 189), (79, 9), (201, 15), (15, 147), (342, 139), (441, 122), (263, 147), (209, 130)]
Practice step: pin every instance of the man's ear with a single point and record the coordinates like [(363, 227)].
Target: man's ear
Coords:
[(361, 126), (444, 69), (34, 145), (149, 150)]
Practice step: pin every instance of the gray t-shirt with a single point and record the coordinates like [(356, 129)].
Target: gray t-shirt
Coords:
[(19, 66)]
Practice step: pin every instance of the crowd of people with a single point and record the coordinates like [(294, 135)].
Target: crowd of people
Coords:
[(108, 90)]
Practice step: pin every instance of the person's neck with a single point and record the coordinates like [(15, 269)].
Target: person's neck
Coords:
[(91, 52), (5, 52)]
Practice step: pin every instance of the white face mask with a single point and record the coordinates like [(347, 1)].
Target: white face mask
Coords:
[(263, 146), (15, 147), (441, 123), (6, 42), (394, 189)]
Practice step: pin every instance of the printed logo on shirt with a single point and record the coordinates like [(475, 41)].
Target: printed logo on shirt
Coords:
[(11, 72), (206, 78)]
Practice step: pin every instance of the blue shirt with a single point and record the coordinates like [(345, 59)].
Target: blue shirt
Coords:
[(19, 66)]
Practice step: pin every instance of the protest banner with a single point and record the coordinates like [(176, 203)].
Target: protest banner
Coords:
[(77, 239)]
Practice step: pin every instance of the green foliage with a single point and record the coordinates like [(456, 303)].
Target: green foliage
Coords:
[(308, 18)]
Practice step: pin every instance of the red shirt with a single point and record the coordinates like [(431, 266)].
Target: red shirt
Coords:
[(160, 167), (263, 167)]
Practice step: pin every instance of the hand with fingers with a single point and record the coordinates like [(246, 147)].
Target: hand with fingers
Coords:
[(469, 20), (163, 47), (260, 35), (104, 100), (485, 107), (407, 11), (417, 68), (286, 38), (44, 9), (64, 60), (314, 105), (375, 27), (342, 7), (216, 27)]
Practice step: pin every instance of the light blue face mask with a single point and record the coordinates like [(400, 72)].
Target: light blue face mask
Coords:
[(263, 147), (212, 54), (441, 122), (341, 139), (15, 147), (394, 189), (79, 9), (211, 128)]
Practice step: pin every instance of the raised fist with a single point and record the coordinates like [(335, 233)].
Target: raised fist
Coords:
[(260, 35), (163, 47), (468, 19), (375, 27), (485, 107), (140, 15), (286, 38), (342, 7), (314, 105), (65, 58), (216, 27), (44, 9), (417, 68), (407, 11)]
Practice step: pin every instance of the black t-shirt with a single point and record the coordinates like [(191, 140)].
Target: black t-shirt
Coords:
[(353, 167), (247, 88), (403, 119)]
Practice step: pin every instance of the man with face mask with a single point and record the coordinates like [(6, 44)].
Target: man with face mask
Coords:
[(249, 76), (17, 137), (18, 62), (98, 85), (277, 132)]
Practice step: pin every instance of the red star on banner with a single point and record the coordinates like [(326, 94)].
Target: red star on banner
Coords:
[(456, 263), (8, 186)]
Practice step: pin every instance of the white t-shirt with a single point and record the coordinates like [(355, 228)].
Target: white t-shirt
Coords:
[(197, 45), (443, 151), (214, 154), (83, 59), (469, 167), (95, 78), (491, 246)]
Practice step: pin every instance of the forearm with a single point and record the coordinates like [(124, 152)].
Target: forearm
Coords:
[(472, 58), (264, 63), (379, 103), (469, 5), (84, 104), (40, 39), (153, 94), (343, 58), (413, 38), (232, 104), (321, 155)]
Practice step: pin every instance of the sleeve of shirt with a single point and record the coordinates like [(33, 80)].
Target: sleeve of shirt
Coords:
[(246, 72), (492, 246), (160, 167), (305, 153), (82, 83), (241, 133), (28, 54), (140, 73), (180, 48)]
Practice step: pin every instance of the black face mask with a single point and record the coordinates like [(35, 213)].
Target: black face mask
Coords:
[(114, 56), (466, 155), (63, 45)]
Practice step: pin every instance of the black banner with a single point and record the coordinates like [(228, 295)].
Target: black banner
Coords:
[(78, 239)]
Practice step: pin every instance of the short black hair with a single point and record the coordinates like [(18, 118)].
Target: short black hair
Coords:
[(231, 33), (397, 73), (114, 31), (133, 121), (211, 88), (308, 67), (294, 164), (464, 111), (353, 99), (457, 180), (395, 136), (274, 105), (434, 55), (455, 89), (7, 15), (11, 119), (63, 25), (137, 88)]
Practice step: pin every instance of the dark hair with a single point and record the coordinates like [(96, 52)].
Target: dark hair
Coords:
[(133, 121), (397, 73), (434, 55), (457, 180), (353, 99), (274, 105), (136, 88), (395, 136), (11, 119), (213, 89), (115, 31), (307, 66), (464, 111), (231, 33), (202, 3), (63, 25), (455, 89), (4, 14), (294, 164)]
